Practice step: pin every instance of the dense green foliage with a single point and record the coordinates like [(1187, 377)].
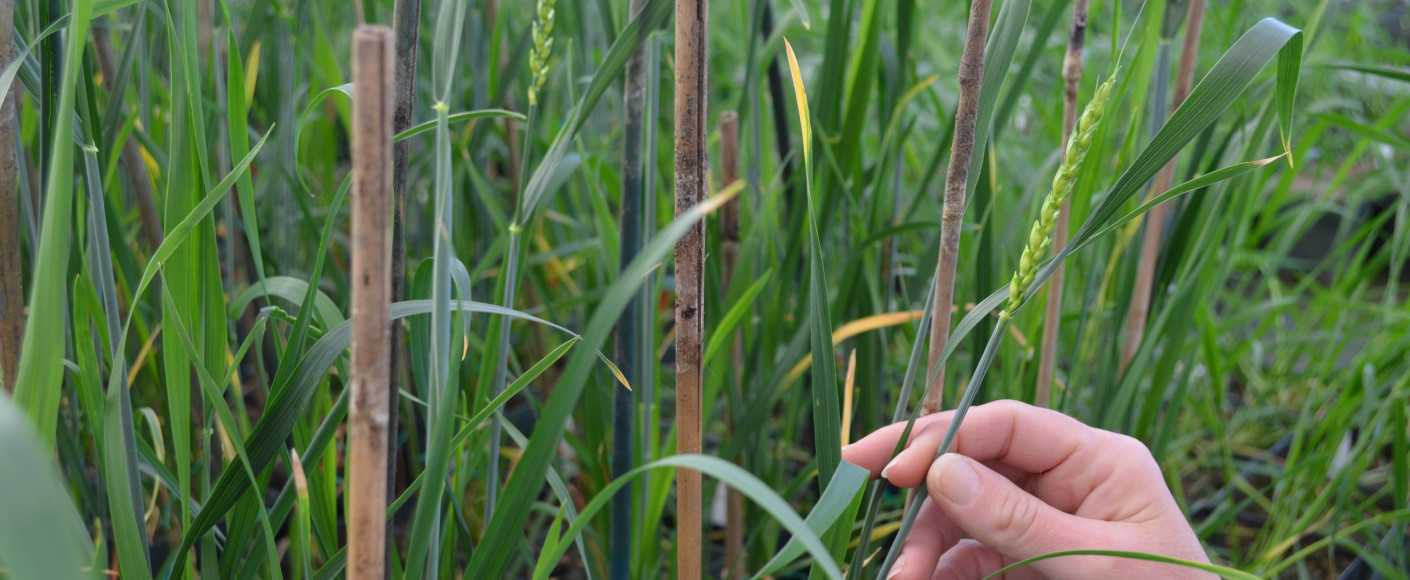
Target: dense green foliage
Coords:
[(171, 378)]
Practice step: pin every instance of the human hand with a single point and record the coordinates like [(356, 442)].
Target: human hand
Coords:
[(1023, 482)]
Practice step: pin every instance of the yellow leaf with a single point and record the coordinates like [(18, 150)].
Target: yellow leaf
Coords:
[(848, 389), (852, 329), (251, 73), (801, 94), (616, 372)]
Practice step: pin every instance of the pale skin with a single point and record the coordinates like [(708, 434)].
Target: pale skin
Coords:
[(1022, 482)]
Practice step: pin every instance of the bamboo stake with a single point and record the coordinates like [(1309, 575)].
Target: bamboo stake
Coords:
[(406, 19), (690, 157), (1155, 219), (629, 327), (11, 287), (1052, 311), (369, 408), (729, 245), (966, 117)]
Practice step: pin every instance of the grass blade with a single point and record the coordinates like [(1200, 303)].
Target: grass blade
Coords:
[(43, 535), (827, 416), (40, 377)]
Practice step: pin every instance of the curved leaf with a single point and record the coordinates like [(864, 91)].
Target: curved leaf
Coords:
[(846, 482), (291, 289), (1222, 571), (747, 484), (456, 118)]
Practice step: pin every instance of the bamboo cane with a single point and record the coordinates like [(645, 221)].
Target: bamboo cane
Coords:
[(629, 327), (690, 158), (1052, 311), (966, 117), (729, 246), (406, 19), (369, 407), (11, 288)]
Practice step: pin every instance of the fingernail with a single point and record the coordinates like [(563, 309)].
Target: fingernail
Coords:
[(897, 567), (894, 462), (958, 481)]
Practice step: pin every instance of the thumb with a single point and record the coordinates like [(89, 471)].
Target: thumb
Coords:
[(990, 508)]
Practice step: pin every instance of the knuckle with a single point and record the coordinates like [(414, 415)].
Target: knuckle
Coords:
[(1129, 444), (1085, 439), (1011, 406)]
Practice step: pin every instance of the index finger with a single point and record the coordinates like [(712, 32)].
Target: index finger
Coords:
[(1025, 437)]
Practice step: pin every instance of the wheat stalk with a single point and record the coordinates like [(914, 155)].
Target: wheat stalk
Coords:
[(539, 67)]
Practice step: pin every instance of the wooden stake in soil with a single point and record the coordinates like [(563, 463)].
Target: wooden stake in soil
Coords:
[(691, 94), (729, 246), (11, 289), (966, 117), (369, 411), (1155, 218), (1052, 311)]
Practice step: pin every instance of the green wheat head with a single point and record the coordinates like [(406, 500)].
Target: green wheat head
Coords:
[(1040, 237), (543, 48)]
